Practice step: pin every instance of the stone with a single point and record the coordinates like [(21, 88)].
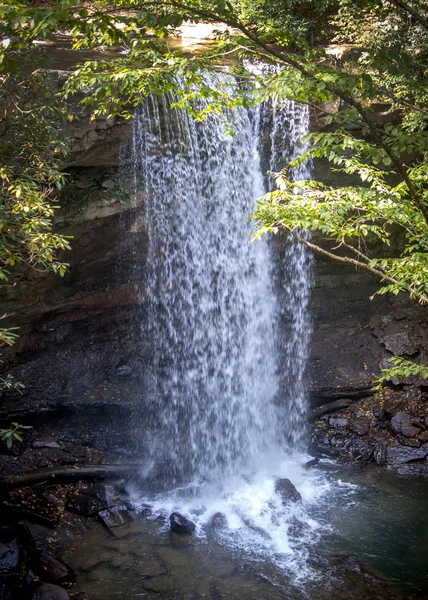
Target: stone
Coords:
[(360, 425), (87, 500), (338, 422), (50, 591), (109, 184), (54, 570), (399, 343), (379, 454), (181, 524), (35, 504), (287, 491), (217, 521), (46, 441), (414, 470), (116, 516), (399, 419), (423, 436), (11, 557), (393, 405), (404, 454), (311, 463), (404, 441), (409, 430), (378, 411)]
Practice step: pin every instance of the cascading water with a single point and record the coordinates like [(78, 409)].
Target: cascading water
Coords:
[(289, 123), (220, 428)]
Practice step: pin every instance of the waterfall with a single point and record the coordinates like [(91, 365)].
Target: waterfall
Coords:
[(225, 399), (289, 123), (212, 305)]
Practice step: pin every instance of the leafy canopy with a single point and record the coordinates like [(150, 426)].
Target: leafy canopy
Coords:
[(379, 59)]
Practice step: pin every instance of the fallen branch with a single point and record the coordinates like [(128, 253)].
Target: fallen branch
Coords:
[(326, 409), (52, 476)]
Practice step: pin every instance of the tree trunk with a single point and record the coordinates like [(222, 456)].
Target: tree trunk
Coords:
[(52, 476), (325, 409)]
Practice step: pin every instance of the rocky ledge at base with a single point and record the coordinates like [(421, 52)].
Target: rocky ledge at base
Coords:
[(389, 428), (39, 523)]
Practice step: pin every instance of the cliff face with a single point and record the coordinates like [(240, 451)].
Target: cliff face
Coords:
[(83, 346)]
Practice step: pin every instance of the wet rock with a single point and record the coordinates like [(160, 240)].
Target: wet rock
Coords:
[(41, 506), (11, 559), (394, 405), (180, 524), (404, 441), (379, 454), (217, 521), (360, 425), (49, 591), (409, 430), (287, 491), (338, 422), (311, 463), (360, 449), (414, 470), (54, 570), (46, 441), (404, 454), (108, 184), (87, 500), (423, 436), (401, 419), (297, 528), (116, 516), (399, 343), (378, 411)]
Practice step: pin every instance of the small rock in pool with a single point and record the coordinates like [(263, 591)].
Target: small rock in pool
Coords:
[(180, 524), (287, 491)]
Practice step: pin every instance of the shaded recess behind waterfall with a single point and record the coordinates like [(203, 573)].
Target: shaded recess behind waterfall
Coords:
[(224, 379)]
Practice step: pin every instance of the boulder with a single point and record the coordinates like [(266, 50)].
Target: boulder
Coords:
[(50, 591), (402, 419), (404, 454), (88, 500), (217, 521), (413, 470), (379, 453), (360, 425), (287, 491), (311, 463), (116, 516), (54, 570), (180, 523), (11, 559)]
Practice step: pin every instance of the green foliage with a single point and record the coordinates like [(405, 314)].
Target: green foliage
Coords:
[(31, 148), (380, 61), (402, 368), (13, 433)]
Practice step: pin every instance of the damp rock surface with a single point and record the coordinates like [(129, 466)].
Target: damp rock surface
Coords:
[(389, 429), (181, 524), (287, 491)]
